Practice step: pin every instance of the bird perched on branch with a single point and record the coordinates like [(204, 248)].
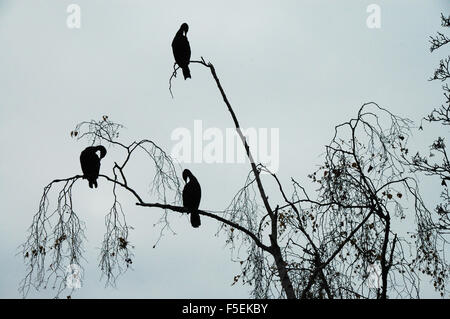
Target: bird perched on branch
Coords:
[(90, 163), (192, 194), (182, 50)]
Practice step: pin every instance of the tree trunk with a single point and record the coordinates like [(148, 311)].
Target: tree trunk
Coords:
[(282, 271)]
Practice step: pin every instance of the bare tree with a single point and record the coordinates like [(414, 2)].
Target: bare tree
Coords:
[(58, 234), (437, 164), (302, 247)]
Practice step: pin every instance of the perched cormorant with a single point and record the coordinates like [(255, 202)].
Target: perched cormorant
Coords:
[(182, 50), (191, 197), (90, 163)]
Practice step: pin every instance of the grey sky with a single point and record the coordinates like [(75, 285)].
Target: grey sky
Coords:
[(300, 66)]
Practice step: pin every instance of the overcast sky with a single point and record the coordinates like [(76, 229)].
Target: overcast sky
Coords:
[(298, 66)]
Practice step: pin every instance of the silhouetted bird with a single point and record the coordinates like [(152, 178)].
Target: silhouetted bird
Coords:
[(191, 197), (182, 50), (90, 163)]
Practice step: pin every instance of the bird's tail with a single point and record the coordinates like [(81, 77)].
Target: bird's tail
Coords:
[(186, 72), (92, 183), (195, 219)]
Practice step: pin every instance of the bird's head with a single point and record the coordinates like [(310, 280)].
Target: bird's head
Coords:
[(102, 150), (186, 173), (184, 28)]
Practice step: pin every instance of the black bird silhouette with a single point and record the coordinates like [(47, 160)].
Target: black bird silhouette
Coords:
[(182, 50), (192, 194), (90, 163)]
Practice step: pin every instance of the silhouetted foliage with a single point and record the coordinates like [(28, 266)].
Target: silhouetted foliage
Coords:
[(437, 164), (296, 245), (57, 234)]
